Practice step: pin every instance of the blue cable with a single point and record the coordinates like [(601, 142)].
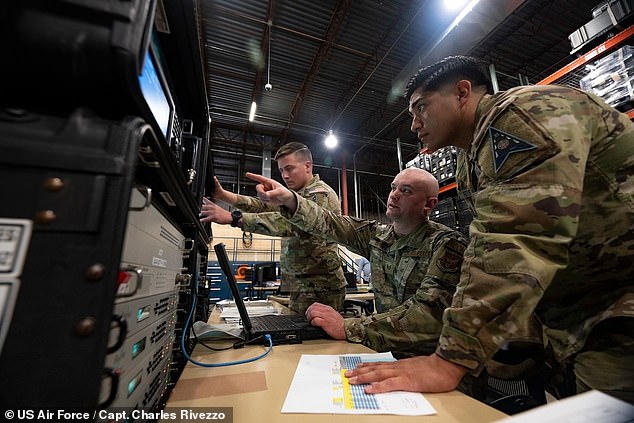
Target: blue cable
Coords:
[(228, 363)]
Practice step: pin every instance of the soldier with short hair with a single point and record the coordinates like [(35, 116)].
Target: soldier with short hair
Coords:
[(310, 266), (551, 172), (415, 264)]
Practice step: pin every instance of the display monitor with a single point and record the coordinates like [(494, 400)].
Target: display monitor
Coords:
[(156, 93), (264, 272)]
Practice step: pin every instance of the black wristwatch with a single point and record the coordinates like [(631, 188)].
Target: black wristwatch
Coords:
[(236, 215)]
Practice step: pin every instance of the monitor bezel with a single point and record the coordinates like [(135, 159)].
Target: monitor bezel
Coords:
[(154, 57)]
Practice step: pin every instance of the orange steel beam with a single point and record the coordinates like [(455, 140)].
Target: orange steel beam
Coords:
[(591, 55), (344, 187), (447, 187)]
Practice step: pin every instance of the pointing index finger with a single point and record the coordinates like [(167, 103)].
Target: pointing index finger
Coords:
[(256, 177)]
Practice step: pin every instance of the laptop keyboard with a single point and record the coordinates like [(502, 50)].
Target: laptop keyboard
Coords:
[(272, 322)]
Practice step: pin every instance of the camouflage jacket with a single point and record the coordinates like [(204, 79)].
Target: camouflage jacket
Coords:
[(304, 259), (413, 277), (551, 176)]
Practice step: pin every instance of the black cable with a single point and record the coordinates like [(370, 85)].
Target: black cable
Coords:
[(240, 344), (208, 346), (267, 338)]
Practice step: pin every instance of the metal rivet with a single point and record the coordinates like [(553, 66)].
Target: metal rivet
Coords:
[(45, 216), (95, 272), (86, 326), (53, 184)]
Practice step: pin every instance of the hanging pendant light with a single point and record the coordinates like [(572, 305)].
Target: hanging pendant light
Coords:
[(331, 140), (268, 86)]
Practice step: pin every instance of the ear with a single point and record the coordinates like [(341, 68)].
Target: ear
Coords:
[(429, 205), (463, 89)]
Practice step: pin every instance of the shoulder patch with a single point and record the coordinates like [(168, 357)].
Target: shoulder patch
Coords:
[(313, 192), (450, 262), (457, 245), (503, 145)]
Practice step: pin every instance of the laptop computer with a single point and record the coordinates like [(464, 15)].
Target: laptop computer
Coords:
[(284, 329)]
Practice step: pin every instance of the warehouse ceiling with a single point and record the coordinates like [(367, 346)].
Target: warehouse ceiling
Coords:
[(342, 65)]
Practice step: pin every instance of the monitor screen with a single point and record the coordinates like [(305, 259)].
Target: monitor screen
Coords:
[(156, 94)]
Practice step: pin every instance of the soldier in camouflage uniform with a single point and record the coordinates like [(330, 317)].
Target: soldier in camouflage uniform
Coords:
[(551, 171), (415, 265), (310, 266)]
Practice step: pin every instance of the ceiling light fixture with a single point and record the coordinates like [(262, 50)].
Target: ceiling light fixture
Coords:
[(268, 86), (454, 4), (252, 112), (331, 140), (465, 11)]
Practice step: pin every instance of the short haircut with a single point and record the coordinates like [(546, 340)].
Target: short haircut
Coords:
[(294, 147), (450, 69)]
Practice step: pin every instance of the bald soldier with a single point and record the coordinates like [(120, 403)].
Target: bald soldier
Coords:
[(310, 266), (415, 263), (551, 172)]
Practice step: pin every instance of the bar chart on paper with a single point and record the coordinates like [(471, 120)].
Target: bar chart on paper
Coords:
[(352, 396), (320, 386)]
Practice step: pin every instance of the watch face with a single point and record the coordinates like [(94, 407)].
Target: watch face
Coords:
[(235, 216)]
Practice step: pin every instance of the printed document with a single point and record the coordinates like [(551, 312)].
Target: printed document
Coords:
[(319, 386)]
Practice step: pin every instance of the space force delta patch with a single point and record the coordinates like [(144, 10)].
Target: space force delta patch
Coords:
[(503, 145)]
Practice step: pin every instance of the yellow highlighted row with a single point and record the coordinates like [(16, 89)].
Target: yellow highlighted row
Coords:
[(347, 391)]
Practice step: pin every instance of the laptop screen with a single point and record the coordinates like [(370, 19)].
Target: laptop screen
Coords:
[(223, 260)]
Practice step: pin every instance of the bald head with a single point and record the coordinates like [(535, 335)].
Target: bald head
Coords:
[(423, 179), (413, 195)]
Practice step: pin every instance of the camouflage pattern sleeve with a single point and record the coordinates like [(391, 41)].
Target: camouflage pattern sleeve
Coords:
[(527, 175), (262, 218), (354, 233), (414, 326), (321, 194), (271, 223), (265, 219), (254, 205)]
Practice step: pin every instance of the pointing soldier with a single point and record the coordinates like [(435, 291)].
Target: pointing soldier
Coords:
[(310, 266), (551, 171), (415, 263)]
